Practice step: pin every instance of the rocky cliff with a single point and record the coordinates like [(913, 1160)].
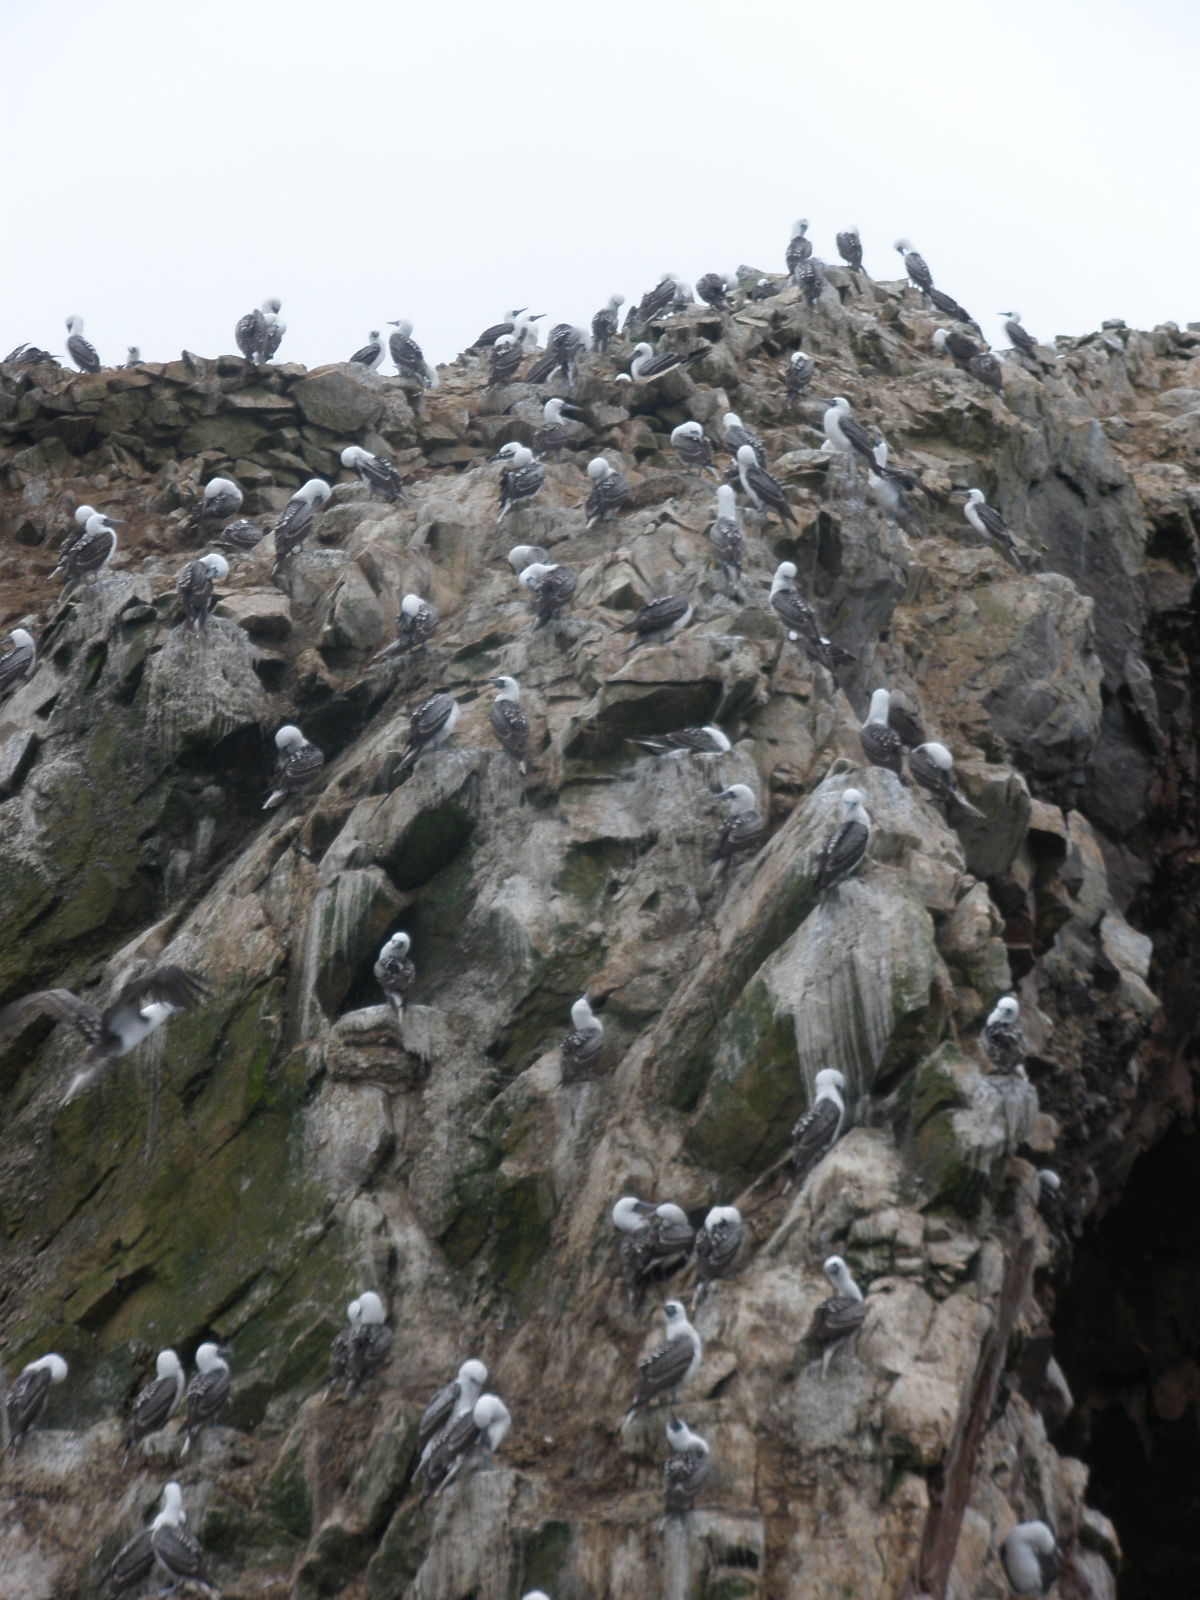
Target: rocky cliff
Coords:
[(266, 1156)]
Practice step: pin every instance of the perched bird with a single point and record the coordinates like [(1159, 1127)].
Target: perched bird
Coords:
[(671, 1364), (799, 374), (550, 586), (341, 1347), (138, 1008), (1031, 1558), (505, 360), (564, 344), (819, 1128), (881, 743), (251, 331), (521, 477), (656, 1241), (708, 740), (221, 500), (581, 1048), (394, 971), (645, 366), (296, 765), (609, 492), (239, 537), (296, 519), (518, 325), (525, 555), (713, 289), (194, 586), (766, 492), (455, 1399), (762, 290), (509, 721), (1048, 1198), (1003, 1038), (175, 1550), (135, 1560), (889, 485), (29, 355), (744, 829), (133, 356), (949, 306), (932, 766), (988, 522), (988, 370), (799, 248), (273, 335), (845, 848), (717, 1244), (726, 536), (797, 616), (914, 264), (87, 555), (810, 277), (370, 1344), (416, 622), (849, 247), (841, 1316), (961, 349), (687, 1467), (79, 523), (845, 435), (737, 434), (692, 448), (206, 1394), (659, 620), (26, 1400), (18, 662), (157, 1400), (430, 725), (1020, 338), (552, 436), (377, 472), (408, 356), (655, 302), (467, 1444), (370, 354), (604, 323), (79, 350)]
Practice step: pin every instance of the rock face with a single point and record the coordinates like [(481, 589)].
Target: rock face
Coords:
[(265, 1157)]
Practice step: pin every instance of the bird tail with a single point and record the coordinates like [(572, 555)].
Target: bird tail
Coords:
[(274, 799)]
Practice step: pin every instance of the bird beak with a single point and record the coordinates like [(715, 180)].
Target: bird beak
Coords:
[(536, 316)]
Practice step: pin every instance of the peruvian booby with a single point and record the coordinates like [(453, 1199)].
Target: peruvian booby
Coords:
[(847, 846), (810, 277), (296, 765), (737, 434), (370, 1344), (705, 741), (1031, 1558), (849, 247), (839, 1318), (1003, 1038), (609, 492), (518, 325), (726, 536), (988, 522), (416, 623), (29, 355), (453, 1400), (273, 334), (581, 1048), (670, 1365), (845, 435), (377, 472), (657, 301), (88, 555), (520, 478), (717, 1244), (133, 357), (134, 1562), (819, 1128), (430, 725), (296, 519), (564, 344), (646, 366), (79, 350), (509, 721), (18, 662), (550, 586), (206, 1393), (988, 370), (799, 248), (797, 616), (504, 362), (713, 289), (156, 1400), (408, 357), (949, 306), (26, 1400), (525, 555), (762, 290), (604, 323), (552, 437), (659, 620), (692, 448), (1020, 338), (889, 485), (744, 829), (194, 586), (687, 1467), (915, 265), (961, 350), (341, 1348), (799, 374), (1048, 1197), (370, 354), (466, 1444), (932, 765), (220, 500), (881, 743), (766, 492), (394, 971), (251, 331), (239, 537), (176, 1551), (656, 1241)]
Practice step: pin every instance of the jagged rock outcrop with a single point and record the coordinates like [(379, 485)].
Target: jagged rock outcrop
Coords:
[(259, 1161)]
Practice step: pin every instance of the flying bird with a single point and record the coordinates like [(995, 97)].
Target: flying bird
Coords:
[(932, 766), (766, 492), (705, 741), (849, 247), (671, 1364), (836, 1320), (430, 725), (395, 973), (604, 323), (610, 490), (416, 622), (157, 1400), (580, 1050), (206, 1393), (26, 1400), (692, 448), (520, 478), (687, 1467), (1003, 1038), (377, 472), (296, 519), (408, 356), (296, 765), (846, 847), (1031, 1558), (194, 586), (370, 354), (509, 721), (79, 350), (881, 743), (18, 662), (914, 264), (550, 586), (726, 536), (988, 522), (819, 1128), (744, 829), (659, 620)]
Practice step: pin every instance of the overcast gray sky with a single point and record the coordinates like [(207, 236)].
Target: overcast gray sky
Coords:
[(169, 166)]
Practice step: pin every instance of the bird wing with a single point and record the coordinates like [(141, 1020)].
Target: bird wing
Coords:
[(339, 1356), (206, 1394), (177, 1550), (169, 985), (26, 1399), (739, 832), (695, 739), (666, 1366), (16, 664), (580, 1048), (510, 725), (153, 1406), (814, 1135), (841, 1314), (366, 354), (717, 1246), (298, 767), (429, 716), (131, 1563), (60, 1004), (437, 1413), (657, 614), (796, 612)]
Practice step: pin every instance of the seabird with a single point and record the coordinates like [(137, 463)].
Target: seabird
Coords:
[(157, 1400), (221, 500), (881, 743), (645, 366), (296, 765), (692, 448), (19, 662), (408, 356), (1031, 1558), (1020, 338), (29, 355), (1003, 1038), (799, 248), (87, 555), (395, 972), (766, 492), (609, 492), (194, 585), (26, 1400), (134, 1013), (717, 1244), (467, 1444), (416, 622), (276, 327), (849, 247), (581, 1048), (80, 520), (521, 477), (744, 829), (762, 290), (932, 766), (705, 741), (737, 434), (799, 374), (135, 1560), (949, 306), (888, 485), (671, 1364), (133, 357), (377, 472), (239, 537), (657, 1240), (988, 369), (1049, 1199), (206, 1394), (845, 848), (509, 721), (519, 325), (251, 331), (550, 586), (175, 1550), (957, 346), (687, 1467), (841, 1316), (552, 436), (604, 323), (819, 1128), (845, 435), (79, 350), (797, 616), (453, 1400), (988, 522), (296, 519), (525, 555), (370, 1343), (371, 353), (713, 288), (655, 302), (564, 343), (726, 536), (914, 264), (811, 279), (659, 620), (430, 725), (341, 1347), (505, 360)]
